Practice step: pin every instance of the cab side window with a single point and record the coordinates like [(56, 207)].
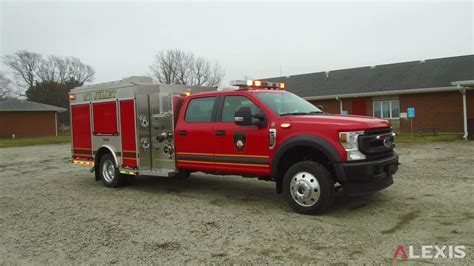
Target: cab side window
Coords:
[(232, 103), (200, 110)]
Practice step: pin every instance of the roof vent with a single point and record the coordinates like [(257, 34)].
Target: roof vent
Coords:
[(372, 67), (422, 61), (327, 74)]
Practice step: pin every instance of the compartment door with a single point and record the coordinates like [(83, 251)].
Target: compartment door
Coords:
[(128, 134), (105, 118), (81, 131)]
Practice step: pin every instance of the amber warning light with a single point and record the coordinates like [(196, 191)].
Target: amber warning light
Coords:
[(72, 97)]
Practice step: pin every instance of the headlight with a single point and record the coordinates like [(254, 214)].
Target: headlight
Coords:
[(348, 140)]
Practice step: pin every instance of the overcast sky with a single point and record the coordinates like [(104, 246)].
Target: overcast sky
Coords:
[(247, 39)]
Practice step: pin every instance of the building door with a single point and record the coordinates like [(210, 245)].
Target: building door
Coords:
[(470, 128), (240, 149), (359, 107)]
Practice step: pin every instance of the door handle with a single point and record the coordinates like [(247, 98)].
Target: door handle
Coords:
[(182, 132), (220, 133)]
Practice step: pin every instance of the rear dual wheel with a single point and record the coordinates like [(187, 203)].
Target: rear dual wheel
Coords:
[(308, 187), (109, 172)]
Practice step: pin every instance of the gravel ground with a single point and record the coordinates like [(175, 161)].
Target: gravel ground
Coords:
[(54, 212)]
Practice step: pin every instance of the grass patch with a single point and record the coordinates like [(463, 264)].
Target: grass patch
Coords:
[(33, 141), (428, 138)]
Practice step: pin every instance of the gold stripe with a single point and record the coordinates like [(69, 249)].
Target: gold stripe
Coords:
[(242, 155), (187, 161), (194, 153), (243, 164), (224, 155), (129, 158), (222, 163)]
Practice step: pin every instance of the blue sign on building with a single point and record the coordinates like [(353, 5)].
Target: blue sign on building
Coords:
[(411, 112)]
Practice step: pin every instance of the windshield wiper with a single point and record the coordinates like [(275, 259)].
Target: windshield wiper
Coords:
[(302, 113), (294, 113), (316, 112)]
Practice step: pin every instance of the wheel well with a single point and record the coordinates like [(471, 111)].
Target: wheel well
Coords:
[(101, 152), (299, 154)]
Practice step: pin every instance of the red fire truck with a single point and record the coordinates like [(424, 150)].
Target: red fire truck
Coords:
[(135, 127)]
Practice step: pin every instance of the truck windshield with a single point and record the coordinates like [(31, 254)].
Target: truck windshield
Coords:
[(287, 104)]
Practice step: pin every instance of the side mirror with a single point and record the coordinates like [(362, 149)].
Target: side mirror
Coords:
[(260, 120), (243, 116)]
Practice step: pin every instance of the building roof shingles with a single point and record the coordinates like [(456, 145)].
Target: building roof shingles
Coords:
[(432, 73), (16, 105)]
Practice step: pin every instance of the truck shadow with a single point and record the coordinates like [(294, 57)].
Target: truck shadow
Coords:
[(218, 190), (355, 203), (231, 190)]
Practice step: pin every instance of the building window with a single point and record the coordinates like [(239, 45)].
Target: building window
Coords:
[(387, 109)]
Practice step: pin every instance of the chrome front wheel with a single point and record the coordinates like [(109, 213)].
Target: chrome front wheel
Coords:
[(305, 189), (308, 187)]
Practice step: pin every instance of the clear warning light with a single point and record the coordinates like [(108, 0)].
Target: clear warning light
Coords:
[(260, 84)]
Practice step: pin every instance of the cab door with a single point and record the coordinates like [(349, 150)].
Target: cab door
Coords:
[(194, 135), (240, 149)]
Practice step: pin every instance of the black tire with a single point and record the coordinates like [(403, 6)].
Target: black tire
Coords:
[(183, 174), (108, 179), (308, 187)]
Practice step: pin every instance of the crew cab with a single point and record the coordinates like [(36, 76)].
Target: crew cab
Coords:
[(257, 130)]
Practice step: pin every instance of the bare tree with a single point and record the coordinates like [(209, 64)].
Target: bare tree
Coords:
[(6, 91), (47, 69), (61, 69), (30, 67), (24, 65), (80, 71), (179, 67)]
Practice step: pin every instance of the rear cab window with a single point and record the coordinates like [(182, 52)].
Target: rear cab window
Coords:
[(200, 110)]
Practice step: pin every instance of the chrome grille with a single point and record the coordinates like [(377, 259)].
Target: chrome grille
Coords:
[(373, 147)]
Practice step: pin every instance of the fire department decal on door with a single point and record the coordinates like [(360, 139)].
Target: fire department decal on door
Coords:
[(239, 141)]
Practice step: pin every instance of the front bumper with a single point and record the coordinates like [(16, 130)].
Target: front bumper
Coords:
[(358, 178)]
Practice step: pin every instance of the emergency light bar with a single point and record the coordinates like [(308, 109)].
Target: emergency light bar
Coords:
[(258, 84)]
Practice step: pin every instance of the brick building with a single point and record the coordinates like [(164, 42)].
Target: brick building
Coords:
[(28, 119), (441, 91)]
